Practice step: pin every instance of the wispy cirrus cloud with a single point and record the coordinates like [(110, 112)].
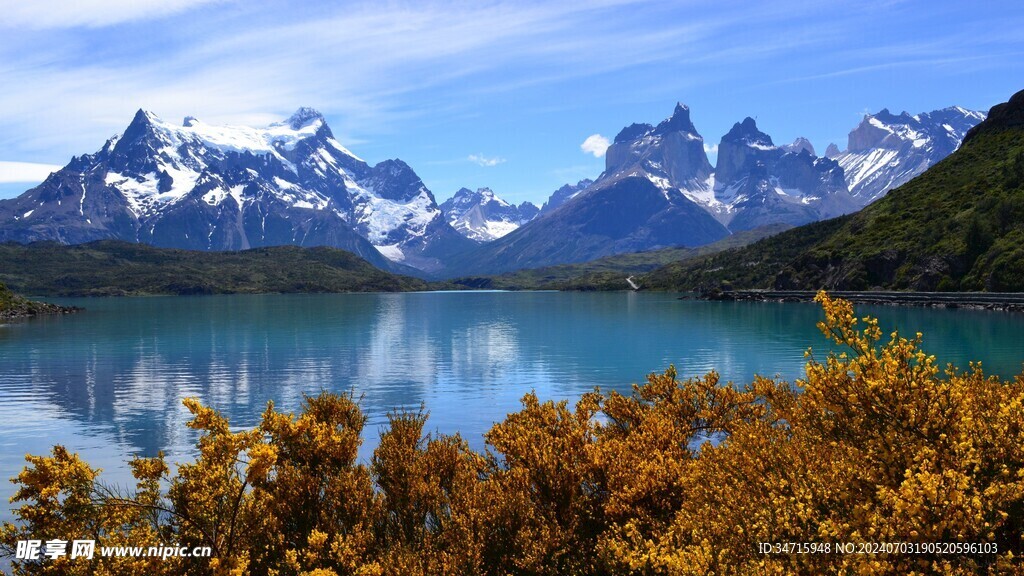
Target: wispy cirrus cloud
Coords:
[(596, 145), (377, 66), (485, 161), (41, 14)]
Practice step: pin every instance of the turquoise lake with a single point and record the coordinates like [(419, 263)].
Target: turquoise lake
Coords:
[(108, 383)]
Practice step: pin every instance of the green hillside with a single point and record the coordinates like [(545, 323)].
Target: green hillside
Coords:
[(958, 226), (110, 267)]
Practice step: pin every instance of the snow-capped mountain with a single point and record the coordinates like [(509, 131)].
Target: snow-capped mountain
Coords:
[(207, 187), (887, 150), (758, 183), (483, 216)]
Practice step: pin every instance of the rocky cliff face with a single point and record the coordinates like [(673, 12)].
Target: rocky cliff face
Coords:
[(205, 187), (741, 149)]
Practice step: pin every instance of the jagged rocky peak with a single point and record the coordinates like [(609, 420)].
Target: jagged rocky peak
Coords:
[(679, 121), (395, 180), (138, 148), (956, 119), (832, 150), (142, 125), (464, 199), (740, 150), (564, 194), (876, 131), (528, 210), (799, 145), (304, 116), (672, 152), (633, 132), (482, 215), (746, 132)]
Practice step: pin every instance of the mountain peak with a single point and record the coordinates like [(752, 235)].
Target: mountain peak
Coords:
[(887, 117), (303, 117), (633, 132), (799, 145), (747, 132), (142, 126), (143, 118), (142, 113), (679, 121)]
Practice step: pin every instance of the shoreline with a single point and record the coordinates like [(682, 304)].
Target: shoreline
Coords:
[(1000, 301), (29, 309)]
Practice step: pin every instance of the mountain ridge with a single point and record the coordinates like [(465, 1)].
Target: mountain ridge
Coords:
[(210, 187), (956, 226)]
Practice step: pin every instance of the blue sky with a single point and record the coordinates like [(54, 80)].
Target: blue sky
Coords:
[(488, 93)]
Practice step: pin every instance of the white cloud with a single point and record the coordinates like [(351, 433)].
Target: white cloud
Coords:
[(595, 144), (484, 161), (39, 14), (15, 172), (710, 148)]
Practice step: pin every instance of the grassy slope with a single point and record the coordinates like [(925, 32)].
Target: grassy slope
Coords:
[(958, 226), (119, 268), (608, 273)]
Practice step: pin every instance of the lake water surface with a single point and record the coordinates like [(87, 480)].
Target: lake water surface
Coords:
[(108, 383)]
